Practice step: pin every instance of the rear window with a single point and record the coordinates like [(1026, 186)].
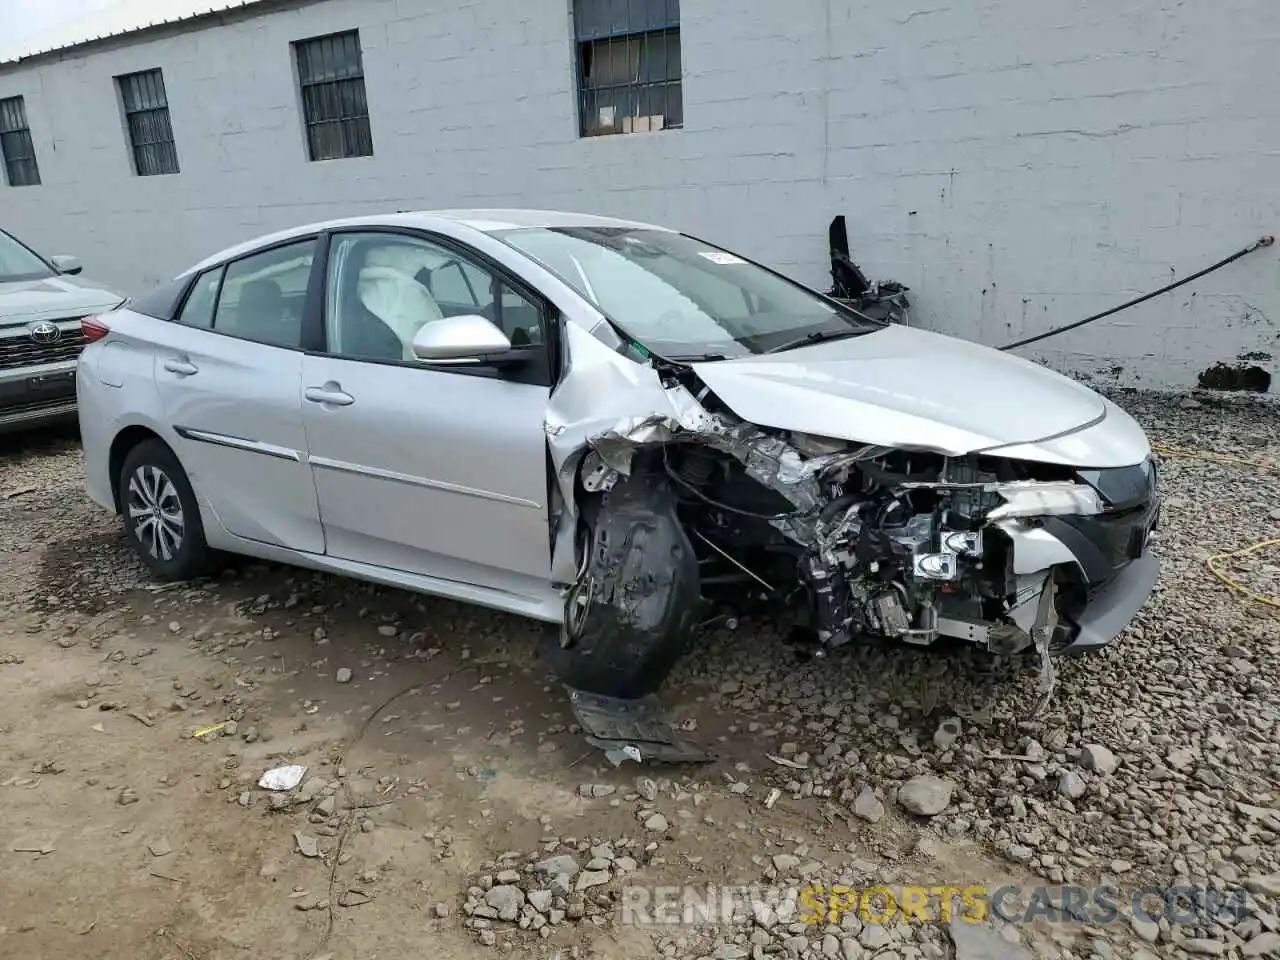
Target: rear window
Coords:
[(162, 302)]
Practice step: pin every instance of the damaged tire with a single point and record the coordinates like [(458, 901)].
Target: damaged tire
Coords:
[(634, 610)]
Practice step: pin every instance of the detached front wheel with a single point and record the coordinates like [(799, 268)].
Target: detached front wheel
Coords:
[(634, 611), (160, 513)]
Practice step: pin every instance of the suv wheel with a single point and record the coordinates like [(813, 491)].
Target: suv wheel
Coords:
[(160, 513)]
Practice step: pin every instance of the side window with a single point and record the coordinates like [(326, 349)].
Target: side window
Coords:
[(382, 288), (198, 310), (462, 284), (263, 296), (518, 318)]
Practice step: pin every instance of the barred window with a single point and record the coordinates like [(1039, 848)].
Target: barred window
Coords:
[(628, 65), (146, 115), (15, 144), (334, 108)]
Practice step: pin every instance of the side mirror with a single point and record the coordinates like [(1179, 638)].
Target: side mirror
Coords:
[(468, 338), (65, 264)]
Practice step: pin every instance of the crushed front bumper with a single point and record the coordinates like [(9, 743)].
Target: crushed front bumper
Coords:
[(1107, 554), (1113, 604)]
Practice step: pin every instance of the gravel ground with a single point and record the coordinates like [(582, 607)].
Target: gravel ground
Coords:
[(1156, 763), (1184, 706), (1158, 760)]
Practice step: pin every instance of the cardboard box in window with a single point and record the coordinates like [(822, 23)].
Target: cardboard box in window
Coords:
[(642, 124)]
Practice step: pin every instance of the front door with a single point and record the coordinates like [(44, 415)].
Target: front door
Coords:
[(229, 375), (430, 470)]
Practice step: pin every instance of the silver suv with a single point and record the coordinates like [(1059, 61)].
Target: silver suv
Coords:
[(41, 305)]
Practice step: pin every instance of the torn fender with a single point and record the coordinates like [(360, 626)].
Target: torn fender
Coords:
[(607, 402), (612, 405)]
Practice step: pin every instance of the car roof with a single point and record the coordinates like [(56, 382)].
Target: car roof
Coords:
[(481, 220)]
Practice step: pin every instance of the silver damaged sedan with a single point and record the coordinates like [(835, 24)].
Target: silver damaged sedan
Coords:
[(615, 428)]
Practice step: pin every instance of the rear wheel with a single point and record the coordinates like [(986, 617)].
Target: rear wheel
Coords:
[(160, 513)]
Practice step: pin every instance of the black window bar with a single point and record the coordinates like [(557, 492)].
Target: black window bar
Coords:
[(146, 114), (629, 77), (15, 144), (334, 108)]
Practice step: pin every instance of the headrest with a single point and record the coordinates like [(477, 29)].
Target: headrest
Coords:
[(261, 295)]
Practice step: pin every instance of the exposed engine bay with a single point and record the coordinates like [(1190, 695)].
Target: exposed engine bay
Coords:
[(895, 545), (695, 511)]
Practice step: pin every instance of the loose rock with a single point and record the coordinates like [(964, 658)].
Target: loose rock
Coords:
[(1098, 758), (307, 845), (563, 864), (506, 900), (944, 738), (868, 807), (1072, 785), (925, 795), (656, 823)]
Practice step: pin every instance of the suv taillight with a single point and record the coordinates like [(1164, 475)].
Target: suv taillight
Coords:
[(93, 329)]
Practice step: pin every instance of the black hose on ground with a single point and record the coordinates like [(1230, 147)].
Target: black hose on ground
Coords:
[(1263, 242)]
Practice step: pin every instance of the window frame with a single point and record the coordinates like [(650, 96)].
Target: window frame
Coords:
[(162, 148), (165, 301), (225, 265), (18, 103), (302, 51), (539, 371), (596, 25)]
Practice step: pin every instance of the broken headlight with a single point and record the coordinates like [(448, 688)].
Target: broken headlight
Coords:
[(1124, 487), (1033, 499)]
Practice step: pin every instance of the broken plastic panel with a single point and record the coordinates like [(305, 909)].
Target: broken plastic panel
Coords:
[(639, 729)]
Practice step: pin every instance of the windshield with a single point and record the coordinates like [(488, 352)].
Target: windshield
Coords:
[(682, 298), (19, 263)]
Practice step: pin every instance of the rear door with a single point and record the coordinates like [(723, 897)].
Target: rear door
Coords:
[(229, 376)]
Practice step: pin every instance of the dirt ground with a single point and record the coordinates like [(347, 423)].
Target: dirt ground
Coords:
[(123, 834), (105, 678)]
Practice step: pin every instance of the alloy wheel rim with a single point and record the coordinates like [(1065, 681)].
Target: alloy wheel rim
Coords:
[(155, 512)]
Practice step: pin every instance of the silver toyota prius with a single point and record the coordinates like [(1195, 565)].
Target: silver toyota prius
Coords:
[(617, 429)]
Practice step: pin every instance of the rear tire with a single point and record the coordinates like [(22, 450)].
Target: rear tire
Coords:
[(160, 513)]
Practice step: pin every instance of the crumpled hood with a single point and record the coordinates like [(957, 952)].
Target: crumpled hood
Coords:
[(909, 388), (60, 297)]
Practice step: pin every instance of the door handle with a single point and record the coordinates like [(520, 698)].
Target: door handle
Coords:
[(183, 368), (330, 393)]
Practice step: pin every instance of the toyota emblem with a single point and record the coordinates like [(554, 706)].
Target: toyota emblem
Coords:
[(44, 332)]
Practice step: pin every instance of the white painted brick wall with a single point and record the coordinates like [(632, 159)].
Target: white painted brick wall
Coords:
[(1018, 163)]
